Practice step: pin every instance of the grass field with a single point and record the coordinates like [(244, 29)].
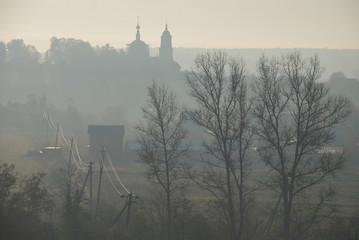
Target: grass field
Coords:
[(15, 148)]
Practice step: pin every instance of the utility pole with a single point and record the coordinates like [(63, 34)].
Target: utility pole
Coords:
[(102, 153), (84, 185), (68, 194), (69, 165), (47, 129), (57, 136), (130, 199), (128, 208), (122, 210), (89, 173), (91, 209)]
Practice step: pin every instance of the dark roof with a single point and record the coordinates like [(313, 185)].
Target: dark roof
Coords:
[(106, 130)]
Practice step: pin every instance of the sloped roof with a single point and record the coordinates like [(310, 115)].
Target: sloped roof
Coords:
[(106, 130)]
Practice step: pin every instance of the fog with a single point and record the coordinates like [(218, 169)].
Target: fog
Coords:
[(79, 84), (238, 24), (105, 85), (101, 81)]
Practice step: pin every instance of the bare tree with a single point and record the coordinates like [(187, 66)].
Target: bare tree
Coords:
[(218, 85), (295, 118), (161, 136)]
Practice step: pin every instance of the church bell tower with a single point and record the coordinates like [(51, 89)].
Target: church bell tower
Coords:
[(166, 50)]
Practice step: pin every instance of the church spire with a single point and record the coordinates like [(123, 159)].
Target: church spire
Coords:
[(138, 29), (166, 50)]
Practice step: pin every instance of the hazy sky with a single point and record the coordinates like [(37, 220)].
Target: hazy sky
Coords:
[(192, 23)]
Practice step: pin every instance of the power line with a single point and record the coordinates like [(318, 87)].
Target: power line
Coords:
[(80, 164), (64, 141), (109, 178), (114, 171)]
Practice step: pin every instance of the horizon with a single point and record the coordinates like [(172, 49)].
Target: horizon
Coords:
[(43, 49)]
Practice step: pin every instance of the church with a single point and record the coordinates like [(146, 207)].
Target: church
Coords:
[(138, 51)]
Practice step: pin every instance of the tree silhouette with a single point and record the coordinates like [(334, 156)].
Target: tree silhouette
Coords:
[(218, 85), (2, 53), (70, 51), (295, 117), (19, 53), (161, 141)]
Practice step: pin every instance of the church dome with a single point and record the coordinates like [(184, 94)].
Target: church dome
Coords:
[(138, 49), (138, 44)]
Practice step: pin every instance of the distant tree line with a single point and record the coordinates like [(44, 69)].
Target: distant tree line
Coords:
[(61, 51), (66, 52), (70, 64), (69, 58)]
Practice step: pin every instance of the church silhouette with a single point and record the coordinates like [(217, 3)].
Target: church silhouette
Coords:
[(138, 51)]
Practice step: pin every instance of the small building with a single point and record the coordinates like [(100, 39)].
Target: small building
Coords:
[(109, 136)]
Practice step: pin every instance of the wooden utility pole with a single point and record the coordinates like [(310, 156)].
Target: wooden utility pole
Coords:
[(89, 173), (128, 208), (91, 209), (69, 166), (130, 199), (122, 210), (68, 193), (102, 153), (57, 136), (84, 185), (47, 130)]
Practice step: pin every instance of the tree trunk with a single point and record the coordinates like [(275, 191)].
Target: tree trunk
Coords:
[(241, 198), (231, 214), (169, 211)]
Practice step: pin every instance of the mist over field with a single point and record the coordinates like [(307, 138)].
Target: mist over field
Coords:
[(201, 120)]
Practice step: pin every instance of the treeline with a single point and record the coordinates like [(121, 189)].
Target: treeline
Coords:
[(73, 52), (94, 77), (62, 51), (68, 60)]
